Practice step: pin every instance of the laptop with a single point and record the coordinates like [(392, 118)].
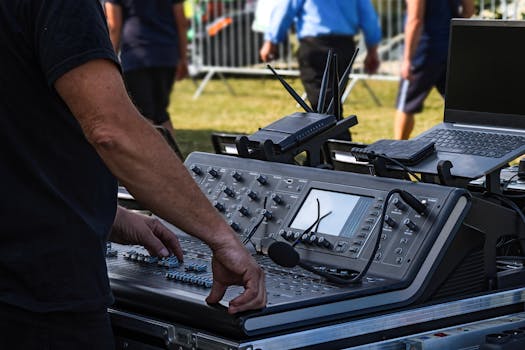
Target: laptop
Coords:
[(484, 99)]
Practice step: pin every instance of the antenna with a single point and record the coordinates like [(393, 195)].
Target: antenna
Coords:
[(324, 82), (291, 91), (335, 103), (344, 79)]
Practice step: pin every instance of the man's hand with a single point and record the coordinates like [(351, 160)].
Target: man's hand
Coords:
[(233, 265), (181, 71), (406, 70), (132, 228), (268, 51), (371, 60)]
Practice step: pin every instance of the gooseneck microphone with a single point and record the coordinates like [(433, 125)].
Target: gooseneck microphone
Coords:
[(285, 255)]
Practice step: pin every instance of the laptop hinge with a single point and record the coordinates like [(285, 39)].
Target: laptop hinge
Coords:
[(486, 127)]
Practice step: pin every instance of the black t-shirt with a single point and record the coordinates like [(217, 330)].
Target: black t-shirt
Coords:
[(57, 198)]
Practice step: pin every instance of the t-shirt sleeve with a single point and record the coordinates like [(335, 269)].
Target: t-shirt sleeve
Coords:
[(69, 34)]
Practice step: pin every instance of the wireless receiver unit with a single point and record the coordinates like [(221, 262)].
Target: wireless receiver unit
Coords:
[(291, 130)]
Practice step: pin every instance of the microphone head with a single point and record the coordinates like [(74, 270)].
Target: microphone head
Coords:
[(283, 254)]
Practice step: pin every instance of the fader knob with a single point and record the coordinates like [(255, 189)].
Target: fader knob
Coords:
[(276, 198), (213, 172), (410, 224), (312, 239), (237, 176), (263, 180), (196, 170)]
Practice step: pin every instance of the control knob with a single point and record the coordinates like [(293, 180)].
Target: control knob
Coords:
[(213, 172), (263, 180), (390, 222), (219, 206), (196, 169), (399, 204), (243, 210), (276, 198), (253, 195), (410, 224), (237, 176), (229, 192), (235, 226), (267, 214)]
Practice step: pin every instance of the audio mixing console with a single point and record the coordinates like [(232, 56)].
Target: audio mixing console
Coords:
[(332, 217)]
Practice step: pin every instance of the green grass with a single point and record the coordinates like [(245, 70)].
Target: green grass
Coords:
[(260, 101)]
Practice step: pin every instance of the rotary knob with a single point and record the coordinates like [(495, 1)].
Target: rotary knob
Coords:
[(399, 204), (244, 211), (410, 224), (267, 214), (229, 192), (235, 226), (263, 180), (253, 195), (390, 222), (196, 170), (237, 176), (219, 206), (213, 172), (276, 198)]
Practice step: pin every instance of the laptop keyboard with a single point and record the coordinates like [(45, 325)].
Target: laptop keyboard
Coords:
[(474, 143)]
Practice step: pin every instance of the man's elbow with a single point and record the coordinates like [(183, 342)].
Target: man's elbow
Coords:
[(102, 136)]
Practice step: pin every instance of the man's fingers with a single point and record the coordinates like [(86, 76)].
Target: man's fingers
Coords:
[(154, 246), (253, 297), (168, 238), (216, 293)]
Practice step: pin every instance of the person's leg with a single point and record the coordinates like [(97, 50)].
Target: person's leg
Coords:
[(410, 98), (403, 125), (312, 58), (140, 87), (164, 79)]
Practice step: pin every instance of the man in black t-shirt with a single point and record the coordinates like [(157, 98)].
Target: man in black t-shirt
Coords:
[(67, 127)]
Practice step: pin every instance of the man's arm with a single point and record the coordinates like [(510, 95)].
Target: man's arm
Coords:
[(467, 8), (142, 161), (182, 27), (413, 29), (114, 19)]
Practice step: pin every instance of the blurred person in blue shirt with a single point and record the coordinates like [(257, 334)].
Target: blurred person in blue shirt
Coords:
[(322, 25)]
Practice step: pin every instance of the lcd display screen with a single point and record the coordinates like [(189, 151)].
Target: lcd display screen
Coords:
[(339, 213)]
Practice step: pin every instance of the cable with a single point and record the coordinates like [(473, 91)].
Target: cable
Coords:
[(507, 182), (371, 155), (316, 222), (256, 226)]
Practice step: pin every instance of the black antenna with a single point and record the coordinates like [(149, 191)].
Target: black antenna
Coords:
[(291, 91), (344, 78), (335, 103), (324, 83)]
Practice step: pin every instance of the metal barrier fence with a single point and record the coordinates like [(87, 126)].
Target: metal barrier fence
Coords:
[(225, 38)]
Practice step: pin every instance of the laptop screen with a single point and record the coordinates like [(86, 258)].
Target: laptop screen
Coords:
[(486, 73)]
